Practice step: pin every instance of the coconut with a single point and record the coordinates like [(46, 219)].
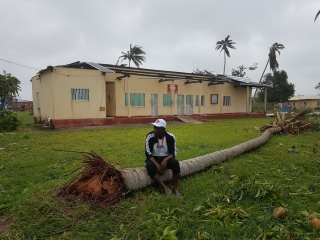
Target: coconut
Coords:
[(313, 221), (232, 176), (279, 212)]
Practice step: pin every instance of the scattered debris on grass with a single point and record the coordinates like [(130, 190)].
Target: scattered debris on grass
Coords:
[(291, 123)]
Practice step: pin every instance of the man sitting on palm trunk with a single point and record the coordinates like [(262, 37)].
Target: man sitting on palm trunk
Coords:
[(160, 150)]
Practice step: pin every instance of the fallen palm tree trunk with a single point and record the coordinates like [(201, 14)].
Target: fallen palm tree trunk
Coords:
[(136, 178), (102, 183)]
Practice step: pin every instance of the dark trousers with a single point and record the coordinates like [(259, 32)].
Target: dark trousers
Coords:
[(172, 164)]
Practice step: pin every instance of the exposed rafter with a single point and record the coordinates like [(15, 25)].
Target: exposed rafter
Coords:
[(188, 82), (123, 76), (165, 79), (215, 83)]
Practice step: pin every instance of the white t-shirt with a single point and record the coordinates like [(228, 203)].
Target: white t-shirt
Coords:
[(160, 148)]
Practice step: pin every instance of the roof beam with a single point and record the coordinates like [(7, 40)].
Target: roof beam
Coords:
[(123, 76), (214, 83), (165, 80), (188, 82)]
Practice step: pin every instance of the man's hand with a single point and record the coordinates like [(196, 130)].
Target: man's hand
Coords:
[(159, 169), (164, 165)]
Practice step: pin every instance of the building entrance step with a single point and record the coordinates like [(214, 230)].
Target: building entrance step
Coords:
[(188, 119)]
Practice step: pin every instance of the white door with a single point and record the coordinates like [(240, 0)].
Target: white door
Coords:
[(189, 103), (180, 105), (154, 104)]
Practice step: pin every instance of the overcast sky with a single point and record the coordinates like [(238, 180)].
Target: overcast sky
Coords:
[(176, 35)]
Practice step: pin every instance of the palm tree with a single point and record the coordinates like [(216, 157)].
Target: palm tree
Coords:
[(134, 54), (317, 16), (272, 58), (224, 45)]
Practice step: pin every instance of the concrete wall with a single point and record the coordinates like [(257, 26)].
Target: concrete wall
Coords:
[(309, 103), (43, 86)]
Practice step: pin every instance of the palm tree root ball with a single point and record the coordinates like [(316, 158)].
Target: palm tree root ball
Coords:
[(99, 182)]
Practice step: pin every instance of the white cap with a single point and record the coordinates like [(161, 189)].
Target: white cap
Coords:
[(160, 123)]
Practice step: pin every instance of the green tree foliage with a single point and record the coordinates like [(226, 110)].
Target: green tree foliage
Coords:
[(9, 86), (224, 44), (318, 86), (8, 121), (135, 54), (282, 90)]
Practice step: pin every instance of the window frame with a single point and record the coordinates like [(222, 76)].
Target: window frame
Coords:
[(214, 98), (163, 99), (226, 101), (80, 94), (202, 100), (133, 96)]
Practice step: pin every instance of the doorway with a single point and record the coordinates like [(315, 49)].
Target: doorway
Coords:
[(180, 105)]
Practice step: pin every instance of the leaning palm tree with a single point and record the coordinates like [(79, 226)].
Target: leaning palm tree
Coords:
[(135, 54), (272, 60), (317, 16), (224, 45)]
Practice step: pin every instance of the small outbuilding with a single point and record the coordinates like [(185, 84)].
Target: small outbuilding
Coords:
[(301, 102)]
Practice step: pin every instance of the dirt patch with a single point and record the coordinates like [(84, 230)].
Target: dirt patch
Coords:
[(99, 182), (5, 223)]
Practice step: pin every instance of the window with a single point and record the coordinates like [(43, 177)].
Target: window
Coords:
[(294, 104), (78, 94), (167, 100), (318, 104), (197, 101), (214, 98), (136, 99), (226, 100), (202, 100)]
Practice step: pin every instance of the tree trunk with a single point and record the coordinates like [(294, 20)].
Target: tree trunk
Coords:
[(136, 178), (255, 93), (224, 66), (101, 182)]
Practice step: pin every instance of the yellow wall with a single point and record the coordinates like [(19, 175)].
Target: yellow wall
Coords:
[(44, 85), (311, 103), (55, 95), (152, 85)]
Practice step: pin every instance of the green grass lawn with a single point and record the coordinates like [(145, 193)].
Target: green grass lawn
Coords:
[(32, 173)]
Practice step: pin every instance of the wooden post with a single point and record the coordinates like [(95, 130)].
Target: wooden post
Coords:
[(199, 99), (128, 95), (221, 99), (265, 100), (247, 101), (172, 98)]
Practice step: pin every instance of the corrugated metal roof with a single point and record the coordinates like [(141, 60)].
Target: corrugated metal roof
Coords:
[(310, 97), (245, 81), (99, 67)]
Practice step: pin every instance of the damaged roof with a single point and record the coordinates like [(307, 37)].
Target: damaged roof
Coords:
[(163, 75)]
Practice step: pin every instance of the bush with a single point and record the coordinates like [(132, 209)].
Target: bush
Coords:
[(9, 121)]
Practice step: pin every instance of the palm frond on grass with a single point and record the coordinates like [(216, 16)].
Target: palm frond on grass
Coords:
[(290, 123)]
